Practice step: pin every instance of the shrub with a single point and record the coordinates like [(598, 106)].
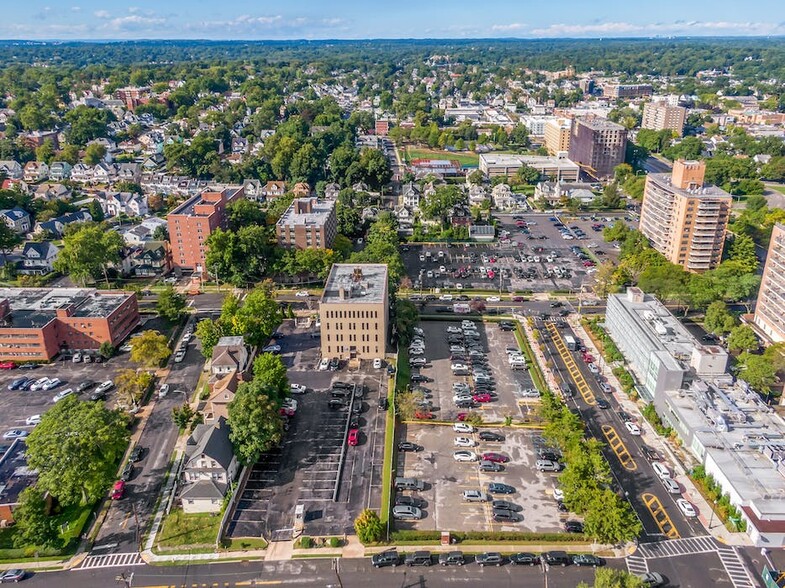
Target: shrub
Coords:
[(335, 542), (368, 527), (306, 542)]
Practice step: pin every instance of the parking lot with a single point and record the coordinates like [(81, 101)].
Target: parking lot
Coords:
[(443, 505), (306, 469)]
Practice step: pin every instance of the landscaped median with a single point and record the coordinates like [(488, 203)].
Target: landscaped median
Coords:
[(388, 468), (535, 370)]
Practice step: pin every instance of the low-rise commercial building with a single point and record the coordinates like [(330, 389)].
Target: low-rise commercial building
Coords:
[(38, 323), (560, 169), (354, 312), (721, 422), (770, 306), (308, 223)]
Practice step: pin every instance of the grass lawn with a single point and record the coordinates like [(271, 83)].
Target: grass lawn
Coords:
[(245, 544), (780, 189), (70, 522), (464, 158), (180, 529)]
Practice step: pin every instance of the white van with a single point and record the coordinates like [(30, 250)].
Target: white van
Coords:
[(517, 365)]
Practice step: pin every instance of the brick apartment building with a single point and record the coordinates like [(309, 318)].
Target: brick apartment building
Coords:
[(38, 323), (770, 306), (308, 223), (659, 116), (597, 145), (193, 221), (354, 312), (685, 219), (627, 90)]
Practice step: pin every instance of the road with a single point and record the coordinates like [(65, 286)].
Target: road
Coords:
[(654, 165), (127, 519)]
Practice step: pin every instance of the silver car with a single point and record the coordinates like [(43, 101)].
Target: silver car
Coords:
[(406, 512)]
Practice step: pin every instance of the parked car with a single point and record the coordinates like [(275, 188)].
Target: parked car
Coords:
[(409, 446), (557, 558), (118, 490), (12, 575), (51, 384), (62, 394), (105, 386), (587, 559), (275, 348), (495, 457), (354, 437), (464, 442), (546, 465), (406, 500), (128, 471), (489, 558), (418, 558), (503, 515), (7, 365), (15, 434), (464, 456), (377, 364), (652, 579), (490, 466), (686, 507), (524, 559), (453, 558), (649, 453), (475, 496), (33, 420), (386, 558), (573, 526), (661, 470), (499, 488), (136, 453), (324, 364), (632, 428), (17, 383), (86, 385), (406, 513)]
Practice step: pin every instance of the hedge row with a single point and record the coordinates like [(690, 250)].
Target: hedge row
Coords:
[(407, 536)]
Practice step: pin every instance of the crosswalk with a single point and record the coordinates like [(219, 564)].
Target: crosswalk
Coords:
[(112, 560), (738, 574)]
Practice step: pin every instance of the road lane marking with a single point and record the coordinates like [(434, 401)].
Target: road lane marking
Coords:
[(659, 515), (583, 387), (619, 448)]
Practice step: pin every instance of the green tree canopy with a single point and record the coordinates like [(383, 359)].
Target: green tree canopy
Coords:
[(150, 349), (254, 421), (742, 338), (88, 251), (171, 304), (76, 449), (32, 524)]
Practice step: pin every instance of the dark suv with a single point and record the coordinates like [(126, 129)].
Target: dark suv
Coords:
[(524, 559), (386, 558), (454, 558), (557, 558), (489, 558), (418, 558)]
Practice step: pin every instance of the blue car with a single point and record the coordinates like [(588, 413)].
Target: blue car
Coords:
[(499, 488), (18, 383)]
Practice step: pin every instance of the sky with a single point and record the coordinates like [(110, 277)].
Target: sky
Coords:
[(355, 19)]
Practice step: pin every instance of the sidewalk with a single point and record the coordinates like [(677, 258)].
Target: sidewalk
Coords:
[(713, 525)]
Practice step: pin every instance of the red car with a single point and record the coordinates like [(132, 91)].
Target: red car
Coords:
[(494, 457), (354, 437), (424, 415), (482, 398), (588, 264), (491, 274), (588, 358), (289, 412), (462, 416), (7, 365), (118, 490)]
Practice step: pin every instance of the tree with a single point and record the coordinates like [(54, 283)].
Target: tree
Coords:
[(254, 421), (94, 153), (269, 372), (161, 233), (150, 349), (182, 415), (612, 578), (374, 168), (527, 174), (718, 319), (476, 177), (8, 240), (244, 212), (95, 210), (611, 197), (106, 350), (86, 124), (88, 251), (742, 250), (171, 304), (32, 524), (45, 152), (406, 317), (208, 332), (610, 519), (756, 202), (76, 449), (758, 371), (742, 338), (368, 527), (131, 386)]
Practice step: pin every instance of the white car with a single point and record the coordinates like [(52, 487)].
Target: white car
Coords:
[(466, 323), (297, 388), (457, 348), (632, 428), (302, 294), (20, 434), (464, 456), (272, 349), (686, 507), (464, 442), (458, 367), (77, 357), (33, 420), (661, 470), (324, 365), (593, 368), (289, 404), (163, 390), (418, 361), (445, 297), (558, 494), (38, 384), (62, 394), (377, 363), (493, 299), (454, 330), (53, 383), (104, 387), (418, 331), (463, 428), (416, 351)]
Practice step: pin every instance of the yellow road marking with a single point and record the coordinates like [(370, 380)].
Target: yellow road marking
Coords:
[(661, 517), (572, 367), (619, 448)]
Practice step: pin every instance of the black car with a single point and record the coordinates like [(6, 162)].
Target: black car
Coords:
[(603, 404), (502, 515), (128, 472), (506, 505), (468, 403), (650, 453), (499, 488), (556, 304), (405, 500), (453, 558), (343, 385), (490, 466), (624, 416), (586, 559), (386, 558), (549, 455), (489, 558), (709, 337), (557, 558), (491, 436), (409, 446), (137, 453), (98, 395), (418, 558), (336, 403), (383, 404), (561, 507), (462, 298), (86, 385), (524, 559), (420, 378), (573, 526)]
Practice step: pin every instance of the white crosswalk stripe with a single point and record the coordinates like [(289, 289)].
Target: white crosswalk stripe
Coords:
[(736, 571), (637, 564), (112, 560), (676, 547)]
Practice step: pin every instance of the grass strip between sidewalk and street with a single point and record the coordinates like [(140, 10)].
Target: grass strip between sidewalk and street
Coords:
[(535, 370)]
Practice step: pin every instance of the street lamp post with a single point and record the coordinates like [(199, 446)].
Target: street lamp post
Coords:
[(711, 519)]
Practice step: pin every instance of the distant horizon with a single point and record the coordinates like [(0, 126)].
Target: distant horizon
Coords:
[(250, 20)]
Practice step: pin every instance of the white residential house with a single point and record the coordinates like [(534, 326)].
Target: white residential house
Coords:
[(49, 192), (129, 172), (17, 219), (230, 354), (59, 171), (411, 195), (502, 197), (37, 258), (35, 171), (209, 467), (128, 203), (331, 191), (477, 195), (104, 173), (82, 173), (12, 169), (405, 218)]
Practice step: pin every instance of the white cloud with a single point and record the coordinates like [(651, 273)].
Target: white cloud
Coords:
[(672, 28), (102, 14), (515, 26), (135, 22), (76, 8)]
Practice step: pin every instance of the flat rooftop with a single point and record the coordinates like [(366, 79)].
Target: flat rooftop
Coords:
[(706, 191), (320, 212), (364, 283), (35, 307), (600, 124), (507, 159)]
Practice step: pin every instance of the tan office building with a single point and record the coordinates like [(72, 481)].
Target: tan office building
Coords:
[(770, 307), (308, 223), (557, 135), (684, 219), (659, 116), (354, 311)]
